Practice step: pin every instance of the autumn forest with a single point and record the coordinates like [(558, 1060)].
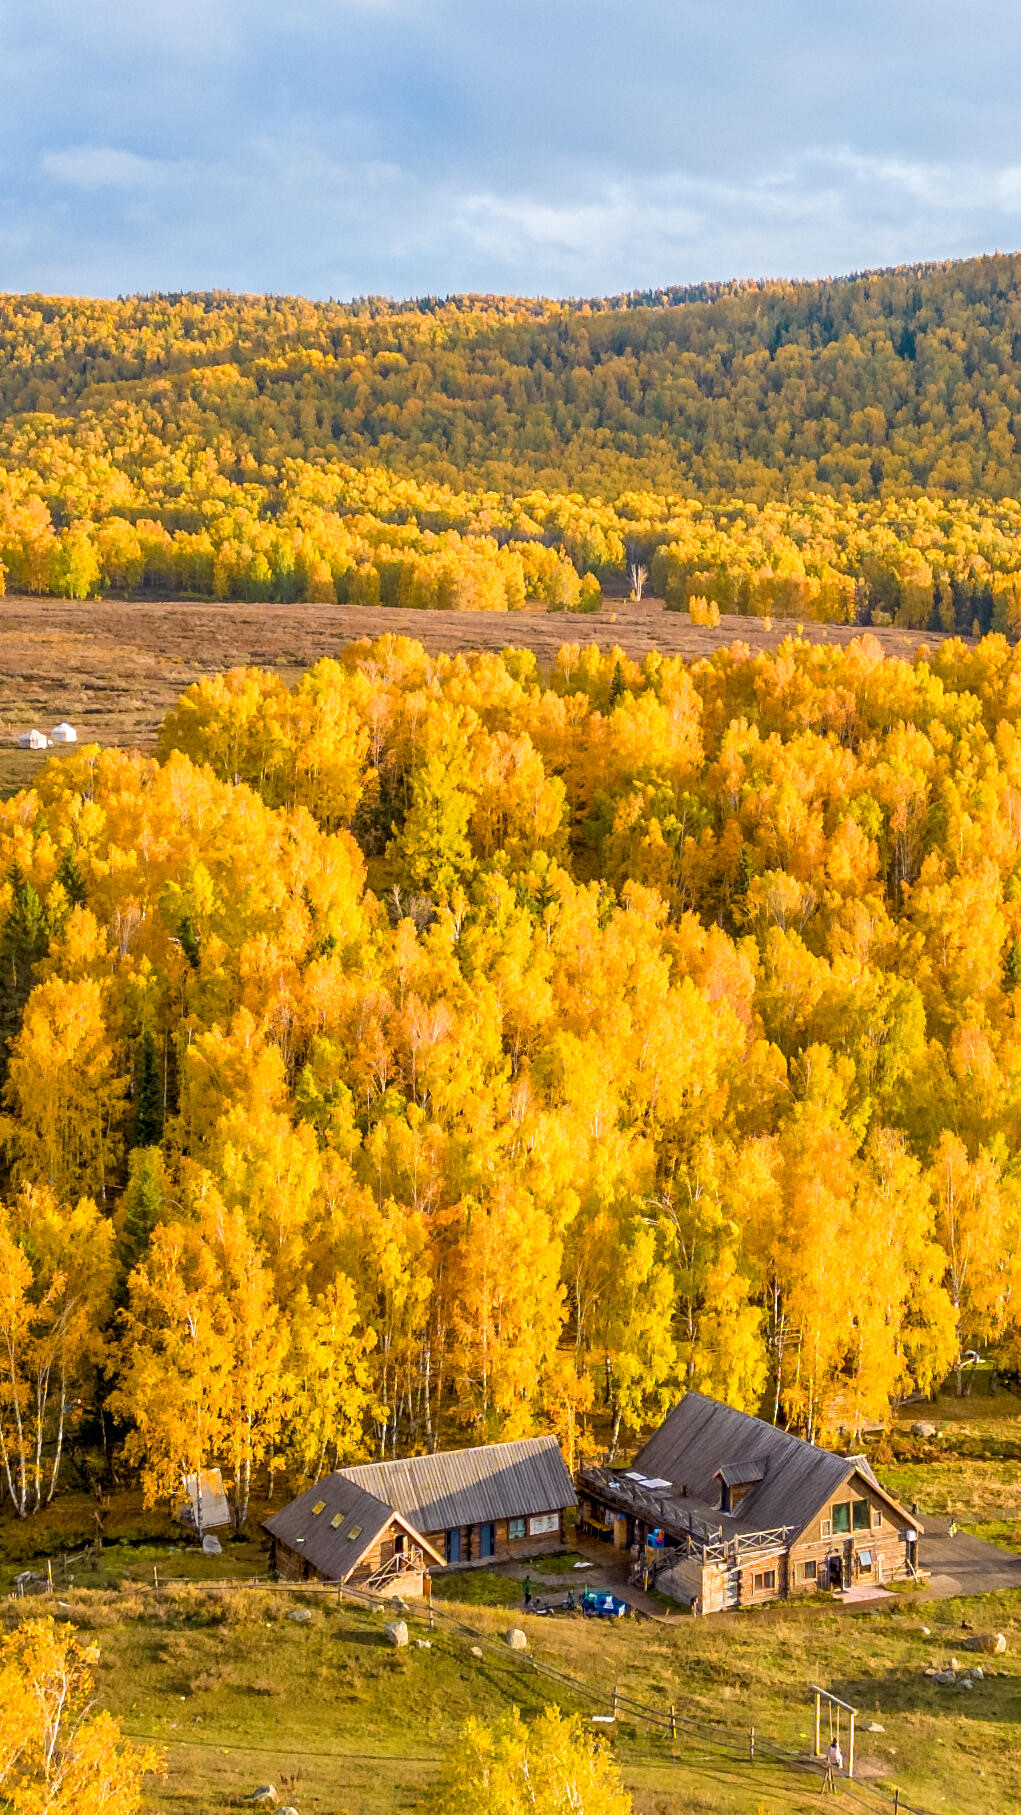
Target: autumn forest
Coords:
[(445, 1047)]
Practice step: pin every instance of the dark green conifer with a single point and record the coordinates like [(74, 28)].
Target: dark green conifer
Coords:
[(618, 686), (148, 1130), (70, 878), (189, 942), (1012, 965)]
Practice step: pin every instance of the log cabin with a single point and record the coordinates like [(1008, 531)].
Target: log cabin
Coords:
[(383, 1522), (720, 1509)]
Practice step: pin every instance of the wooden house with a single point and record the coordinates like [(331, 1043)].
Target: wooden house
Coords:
[(723, 1510), (384, 1520)]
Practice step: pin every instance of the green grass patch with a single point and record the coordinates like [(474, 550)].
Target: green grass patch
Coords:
[(480, 1588)]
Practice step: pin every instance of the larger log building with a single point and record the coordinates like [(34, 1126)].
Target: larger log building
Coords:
[(724, 1510)]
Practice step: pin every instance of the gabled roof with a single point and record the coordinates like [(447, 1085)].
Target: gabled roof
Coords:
[(347, 1523), (472, 1486), (741, 1474), (792, 1479)]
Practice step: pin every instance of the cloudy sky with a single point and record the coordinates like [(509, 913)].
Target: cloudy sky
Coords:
[(569, 147)]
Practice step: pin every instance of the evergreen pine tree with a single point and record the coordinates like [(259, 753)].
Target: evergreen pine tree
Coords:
[(70, 878), (23, 941), (1012, 965), (618, 686), (148, 1130), (189, 942), (142, 1205)]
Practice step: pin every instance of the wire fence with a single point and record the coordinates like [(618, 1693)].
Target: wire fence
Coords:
[(745, 1745)]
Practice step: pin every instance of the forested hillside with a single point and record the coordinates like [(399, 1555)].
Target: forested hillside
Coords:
[(676, 1041), (830, 450)]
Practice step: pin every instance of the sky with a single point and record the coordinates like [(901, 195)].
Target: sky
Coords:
[(411, 147)]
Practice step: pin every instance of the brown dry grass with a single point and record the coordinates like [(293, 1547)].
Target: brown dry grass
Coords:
[(114, 667)]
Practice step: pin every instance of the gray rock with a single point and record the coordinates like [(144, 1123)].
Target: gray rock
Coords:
[(212, 1546), (424, 1644), (946, 1677), (302, 1616), (924, 1430), (966, 1683), (290, 1810), (992, 1643), (978, 1675), (477, 1651), (516, 1639), (396, 1633), (267, 1794), (873, 1726)]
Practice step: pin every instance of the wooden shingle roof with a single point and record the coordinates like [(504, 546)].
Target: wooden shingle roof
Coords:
[(792, 1479), (334, 1523), (472, 1486)]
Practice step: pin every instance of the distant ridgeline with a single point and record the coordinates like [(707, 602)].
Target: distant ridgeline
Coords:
[(831, 449)]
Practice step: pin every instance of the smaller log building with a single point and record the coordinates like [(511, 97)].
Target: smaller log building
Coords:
[(722, 1510), (383, 1521)]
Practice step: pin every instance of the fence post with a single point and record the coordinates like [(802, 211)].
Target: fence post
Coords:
[(49, 1576), (614, 1701), (673, 1722), (751, 1745), (156, 1580), (896, 1800)]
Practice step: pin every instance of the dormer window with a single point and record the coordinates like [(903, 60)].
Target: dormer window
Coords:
[(736, 1481)]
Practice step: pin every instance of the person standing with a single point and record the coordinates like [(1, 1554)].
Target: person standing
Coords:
[(834, 1765)]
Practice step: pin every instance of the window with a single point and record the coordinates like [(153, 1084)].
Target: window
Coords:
[(809, 1570), (825, 1528), (543, 1522), (864, 1559), (337, 1521), (861, 1510), (515, 1528), (765, 1580), (877, 1518), (842, 1516), (318, 1508), (355, 1532)]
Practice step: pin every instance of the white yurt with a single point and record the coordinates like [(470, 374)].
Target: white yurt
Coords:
[(33, 740), (64, 734)]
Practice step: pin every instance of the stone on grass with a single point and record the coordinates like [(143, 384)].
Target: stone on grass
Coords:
[(946, 1677), (477, 1651), (302, 1616), (396, 1633), (978, 1675), (424, 1644), (992, 1643), (966, 1683), (266, 1794), (516, 1639), (290, 1810), (924, 1430), (212, 1546), (873, 1726)]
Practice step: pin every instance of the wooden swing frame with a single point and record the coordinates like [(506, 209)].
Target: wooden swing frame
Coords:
[(825, 1695)]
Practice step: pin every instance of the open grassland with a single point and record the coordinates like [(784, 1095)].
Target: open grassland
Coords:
[(114, 668), (971, 1471), (240, 1694)]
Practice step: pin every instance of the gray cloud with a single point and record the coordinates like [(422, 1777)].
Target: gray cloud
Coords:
[(346, 146)]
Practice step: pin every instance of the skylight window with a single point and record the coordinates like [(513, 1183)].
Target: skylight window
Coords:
[(319, 1507), (337, 1521), (355, 1532)]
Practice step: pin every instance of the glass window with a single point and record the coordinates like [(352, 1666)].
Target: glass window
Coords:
[(861, 1515), (877, 1518), (825, 1527), (765, 1579), (515, 1528), (808, 1569), (842, 1516)]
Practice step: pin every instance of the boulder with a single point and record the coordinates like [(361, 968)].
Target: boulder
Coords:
[(953, 1664), (992, 1643), (924, 1430), (212, 1546), (424, 1644), (946, 1677), (978, 1675), (516, 1639), (266, 1795), (302, 1616), (477, 1651), (873, 1726), (396, 1633), (290, 1810), (966, 1683)]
